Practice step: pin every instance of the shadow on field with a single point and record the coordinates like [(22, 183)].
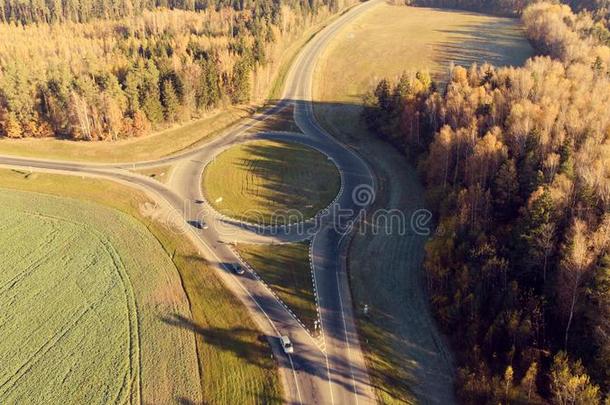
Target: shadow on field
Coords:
[(234, 340), (500, 43), (288, 179)]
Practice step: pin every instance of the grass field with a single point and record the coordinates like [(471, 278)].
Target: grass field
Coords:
[(285, 268), (129, 150), (84, 290), (223, 359), (270, 182), (401, 344)]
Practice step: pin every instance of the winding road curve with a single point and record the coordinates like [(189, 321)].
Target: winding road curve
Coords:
[(327, 367)]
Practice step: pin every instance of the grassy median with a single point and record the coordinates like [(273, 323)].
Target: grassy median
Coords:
[(285, 268), (148, 147)]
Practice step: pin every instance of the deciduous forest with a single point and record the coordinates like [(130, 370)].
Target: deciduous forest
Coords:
[(517, 166), (104, 70)]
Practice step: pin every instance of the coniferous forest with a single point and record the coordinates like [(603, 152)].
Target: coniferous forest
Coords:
[(104, 70), (517, 166)]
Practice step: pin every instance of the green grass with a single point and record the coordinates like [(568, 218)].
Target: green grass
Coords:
[(385, 269), (270, 182), (235, 364), (84, 291), (285, 268)]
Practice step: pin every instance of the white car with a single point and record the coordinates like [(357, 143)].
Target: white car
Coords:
[(286, 344)]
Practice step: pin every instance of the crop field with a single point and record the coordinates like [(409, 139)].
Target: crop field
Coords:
[(285, 268), (85, 291), (270, 182), (400, 342), (195, 342)]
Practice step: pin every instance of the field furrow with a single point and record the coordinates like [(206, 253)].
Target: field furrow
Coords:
[(76, 330)]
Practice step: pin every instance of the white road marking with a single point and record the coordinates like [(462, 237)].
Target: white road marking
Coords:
[(295, 378), (349, 352)]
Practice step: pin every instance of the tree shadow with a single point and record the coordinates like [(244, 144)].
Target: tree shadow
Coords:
[(235, 340), (499, 43)]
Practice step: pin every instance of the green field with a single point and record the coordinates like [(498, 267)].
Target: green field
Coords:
[(84, 291), (270, 182), (398, 336), (285, 268), (96, 286)]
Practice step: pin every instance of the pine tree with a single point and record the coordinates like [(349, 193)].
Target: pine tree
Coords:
[(171, 104), (506, 190), (241, 82)]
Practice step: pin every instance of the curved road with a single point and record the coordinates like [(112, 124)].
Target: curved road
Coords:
[(327, 367)]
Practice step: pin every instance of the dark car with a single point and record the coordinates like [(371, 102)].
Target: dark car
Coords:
[(198, 224), (237, 269)]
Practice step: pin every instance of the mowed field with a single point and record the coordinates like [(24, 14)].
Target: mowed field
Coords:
[(404, 351), (110, 304), (85, 291), (270, 182)]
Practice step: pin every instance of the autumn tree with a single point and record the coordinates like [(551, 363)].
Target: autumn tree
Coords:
[(570, 384)]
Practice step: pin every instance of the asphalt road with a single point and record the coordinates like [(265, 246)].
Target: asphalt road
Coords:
[(327, 366)]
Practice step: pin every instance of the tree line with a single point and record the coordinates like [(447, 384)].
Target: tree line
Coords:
[(512, 8), (115, 78), (517, 167), (53, 11)]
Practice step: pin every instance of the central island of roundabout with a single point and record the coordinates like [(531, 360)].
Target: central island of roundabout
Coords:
[(270, 182)]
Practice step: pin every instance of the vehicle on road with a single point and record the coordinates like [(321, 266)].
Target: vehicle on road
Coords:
[(237, 269), (198, 224), (286, 344)]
